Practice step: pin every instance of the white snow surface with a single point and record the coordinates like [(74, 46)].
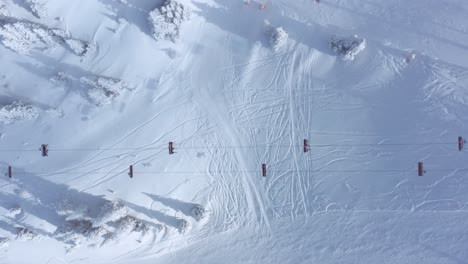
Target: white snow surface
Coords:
[(112, 96)]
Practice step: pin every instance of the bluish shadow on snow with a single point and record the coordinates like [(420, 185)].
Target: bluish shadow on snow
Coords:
[(451, 257), (135, 12), (376, 30), (177, 205), (154, 214), (43, 199), (249, 22), (4, 225)]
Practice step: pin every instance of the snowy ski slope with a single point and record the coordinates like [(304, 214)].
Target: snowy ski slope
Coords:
[(230, 103)]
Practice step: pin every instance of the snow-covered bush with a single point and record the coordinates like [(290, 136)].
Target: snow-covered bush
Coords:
[(198, 212), (279, 38), (167, 20), (111, 211), (130, 224), (410, 57), (55, 112), (82, 227), (22, 37), (4, 11), (4, 242), (61, 79), (184, 226), (347, 48), (17, 111), (103, 90), (37, 8), (77, 231), (80, 47), (24, 234)]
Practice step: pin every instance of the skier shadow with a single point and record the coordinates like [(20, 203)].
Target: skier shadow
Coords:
[(245, 20), (135, 13), (179, 206)]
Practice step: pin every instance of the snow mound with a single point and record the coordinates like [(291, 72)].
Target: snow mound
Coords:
[(17, 111), (37, 8), (279, 38), (103, 90), (347, 48), (166, 21)]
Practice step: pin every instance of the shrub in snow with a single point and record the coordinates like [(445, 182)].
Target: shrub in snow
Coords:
[(61, 78), (4, 242), (22, 37), (198, 212), (111, 211), (167, 20), (279, 38), (75, 232), (55, 112), (24, 234), (130, 224), (82, 227), (79, 47), (60, 34), (103, 90), (37, 8), (347, 48), (410, 57), (4, 11), (184, 226), (17, 111)]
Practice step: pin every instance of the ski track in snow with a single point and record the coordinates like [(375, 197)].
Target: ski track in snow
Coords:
[(223, 89)]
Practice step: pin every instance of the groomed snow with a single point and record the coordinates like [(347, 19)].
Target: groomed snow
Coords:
[(103, 94)]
